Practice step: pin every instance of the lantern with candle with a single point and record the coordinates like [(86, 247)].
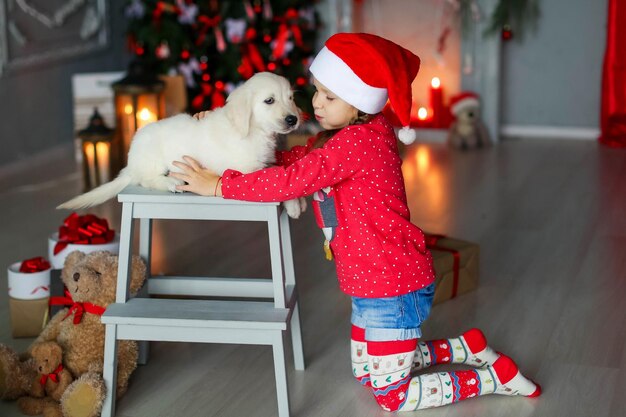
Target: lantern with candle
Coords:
[(96, 140), (139, 100)]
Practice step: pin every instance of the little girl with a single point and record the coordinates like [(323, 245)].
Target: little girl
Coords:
[(382, 262)]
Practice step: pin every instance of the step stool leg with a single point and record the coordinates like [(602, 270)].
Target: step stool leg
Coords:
[(296, 338), (126, 249), (280, 369), (145, 251), (276, 257), (109, 370), (290, 279)]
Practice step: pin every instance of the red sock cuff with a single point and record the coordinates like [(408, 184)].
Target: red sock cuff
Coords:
[(505, 368), (390, 348), (357, 334), (476, 340)]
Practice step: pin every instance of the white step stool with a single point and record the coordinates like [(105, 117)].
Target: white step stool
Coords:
[(204, 321)]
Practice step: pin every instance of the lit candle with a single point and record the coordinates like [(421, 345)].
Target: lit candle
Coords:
[(436, 101), (422, 113), (103, 158), (144, 117), (91, 162)]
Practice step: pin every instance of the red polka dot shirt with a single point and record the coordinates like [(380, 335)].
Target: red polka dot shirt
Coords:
[(378, 251)]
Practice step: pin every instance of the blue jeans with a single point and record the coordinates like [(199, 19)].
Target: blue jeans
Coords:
[(393, 318)]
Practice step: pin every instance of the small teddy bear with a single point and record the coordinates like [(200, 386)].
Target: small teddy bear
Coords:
[(52, 380), (91, 280), (467, 131)]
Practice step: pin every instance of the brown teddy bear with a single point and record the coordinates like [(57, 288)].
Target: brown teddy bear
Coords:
[(91, 283), (467, 131), (50, 384)]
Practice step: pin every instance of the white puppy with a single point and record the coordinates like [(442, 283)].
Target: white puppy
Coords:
[(241, 136)]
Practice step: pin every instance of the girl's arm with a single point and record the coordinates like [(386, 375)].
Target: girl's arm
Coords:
[(286, 158), (339, 159)]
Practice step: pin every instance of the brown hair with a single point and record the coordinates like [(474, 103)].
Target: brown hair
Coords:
[(325, 135)]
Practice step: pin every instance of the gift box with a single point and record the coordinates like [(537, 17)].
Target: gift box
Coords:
[(28, 317), (456, 266), (29, 285), (57, 260), (86, 233)]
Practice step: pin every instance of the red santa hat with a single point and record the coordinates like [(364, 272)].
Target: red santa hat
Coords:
[(365, 71), (462, 101)]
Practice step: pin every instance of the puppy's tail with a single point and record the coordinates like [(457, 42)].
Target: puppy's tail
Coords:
[(100, 194)]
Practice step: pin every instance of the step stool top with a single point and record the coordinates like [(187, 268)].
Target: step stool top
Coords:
[(137, 194)]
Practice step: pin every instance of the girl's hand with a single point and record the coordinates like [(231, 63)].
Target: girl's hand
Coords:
[(199, 180), (201, 115)]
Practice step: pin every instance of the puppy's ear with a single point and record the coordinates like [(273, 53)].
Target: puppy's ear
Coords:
[(239, 109)]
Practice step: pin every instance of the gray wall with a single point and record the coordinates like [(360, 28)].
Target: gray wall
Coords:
[(36, 111), (553, 77)]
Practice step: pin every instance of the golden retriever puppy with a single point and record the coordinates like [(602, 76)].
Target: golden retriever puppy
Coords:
[(241, 136)]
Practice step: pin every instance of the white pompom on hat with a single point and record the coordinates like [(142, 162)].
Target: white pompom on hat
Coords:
[(365, 71)]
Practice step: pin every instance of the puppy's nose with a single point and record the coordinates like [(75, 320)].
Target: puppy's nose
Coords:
[(291, 120), (76, 276)]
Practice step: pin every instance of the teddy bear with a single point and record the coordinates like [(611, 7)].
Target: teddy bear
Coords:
[(51, 382), (467, 131), (90, 280)]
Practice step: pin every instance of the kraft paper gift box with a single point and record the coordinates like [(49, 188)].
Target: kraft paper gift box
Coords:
[(28, 300), (28, 317), (456, 266)]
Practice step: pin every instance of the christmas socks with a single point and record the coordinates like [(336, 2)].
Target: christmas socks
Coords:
[(470, 348), (394, 389), (358, 348), (386, 367), (438, 389)]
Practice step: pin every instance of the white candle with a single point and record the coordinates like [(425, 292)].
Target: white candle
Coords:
[(103, 157), (144, 117), (91, 163)]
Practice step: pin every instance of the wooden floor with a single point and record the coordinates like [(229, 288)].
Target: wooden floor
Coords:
[(550, 217)]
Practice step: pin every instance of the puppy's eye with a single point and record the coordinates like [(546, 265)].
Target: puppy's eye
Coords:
[(269, 100), (98, 274)]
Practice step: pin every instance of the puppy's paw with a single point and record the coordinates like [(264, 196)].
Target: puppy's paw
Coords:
[(293, 208), (303, 204), (173, 183)]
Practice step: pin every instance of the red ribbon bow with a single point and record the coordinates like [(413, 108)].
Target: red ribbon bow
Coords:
[(213, 91), (34, 265), (54, 376), (83, 230), (287, 22), (432, 242), (77, 308)]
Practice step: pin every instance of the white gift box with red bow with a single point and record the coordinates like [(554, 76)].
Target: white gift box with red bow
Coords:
[(58, 260), (28, 285)]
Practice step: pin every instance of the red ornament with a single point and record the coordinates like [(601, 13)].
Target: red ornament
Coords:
[(185, 54), (300, 81), (507, 33), (271, 66)]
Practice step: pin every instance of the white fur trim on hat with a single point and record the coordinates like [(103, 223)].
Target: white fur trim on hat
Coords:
[(463, 104), (407, 135), (332, 72)]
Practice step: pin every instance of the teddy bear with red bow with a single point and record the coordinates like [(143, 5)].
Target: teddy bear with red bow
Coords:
[(90, 280)]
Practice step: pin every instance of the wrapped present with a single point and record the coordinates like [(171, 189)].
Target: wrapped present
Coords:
[(30, 279), (456, 266), (86, 233), (28, 317)]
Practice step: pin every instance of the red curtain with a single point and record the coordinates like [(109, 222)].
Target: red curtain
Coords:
[(613, 116)]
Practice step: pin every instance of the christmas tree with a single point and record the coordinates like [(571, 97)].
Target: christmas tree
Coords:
[(217, 44)]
